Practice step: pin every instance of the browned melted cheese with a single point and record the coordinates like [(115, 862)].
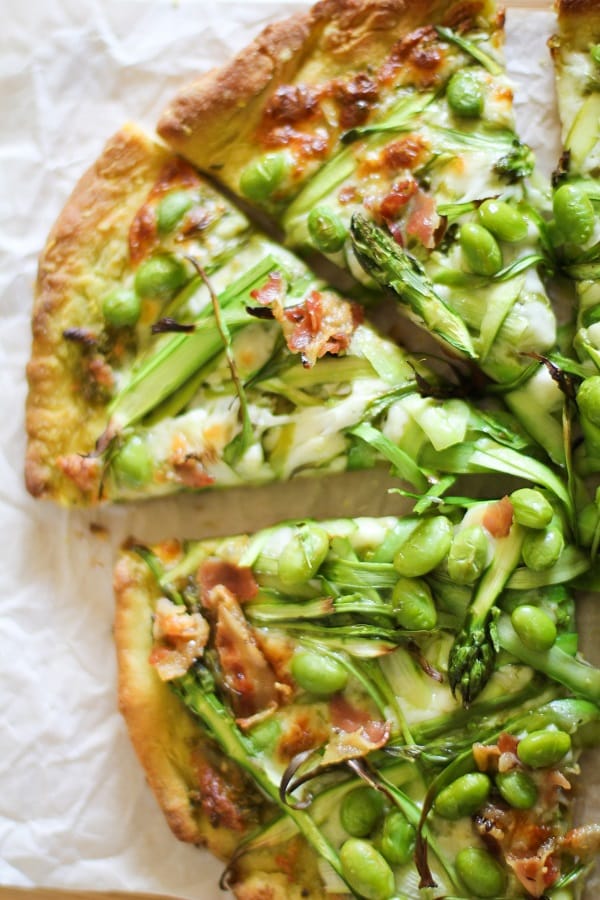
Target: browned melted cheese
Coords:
[(143, 234)]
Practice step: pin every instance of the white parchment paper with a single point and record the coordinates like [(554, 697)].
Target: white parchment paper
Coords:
[(74, 807)]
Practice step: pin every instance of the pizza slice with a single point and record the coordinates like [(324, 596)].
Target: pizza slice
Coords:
[(576, 195), (178, 348), (289, 695), (382, 135)]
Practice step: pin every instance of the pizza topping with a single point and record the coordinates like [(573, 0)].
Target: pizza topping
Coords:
[(406, 153), (344, 745), (498, 518), (239, 580), (291, 103), (356, 98), (418, 56), (221, 800), (423, 220), (247, 676), (180, 638), (395, 202), (84, 471), (273, 291)]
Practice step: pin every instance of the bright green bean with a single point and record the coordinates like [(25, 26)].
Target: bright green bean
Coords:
[(263, 176), (482, 875), (573, 213), (303, 554), (425, 548), (503, 220), (541, 749), (468, 554), (121, 308), (366, 871), (398, 838), (318, 674), (465, 94), (531, 508), (517, 788), (534, 626), (463, 797), (361, 810), (160, 277), (171, 210), (326, 229), (414, 608), (480, 249), (542, 549)]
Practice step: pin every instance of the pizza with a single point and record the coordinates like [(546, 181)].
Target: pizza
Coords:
[(355, 707), (289, 694), (177, 347), (576, 193), (382, 135)]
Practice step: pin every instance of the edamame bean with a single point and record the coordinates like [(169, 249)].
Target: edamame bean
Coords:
[(534, 626), (503, 220), (303, 554), (425, 548), (531, 508), (121, 308), (160, 277), (542, 549), (414, 608), (318, 674), (326, 229), (265, 734), (171, 210), (398, 838), (482, 875), (573, 213), (463, 797), (465, 94), (480, 249), (517, 788), (133, 464), (361, 810), (468, 554), (261, 177), (541, 749), (366, 871)]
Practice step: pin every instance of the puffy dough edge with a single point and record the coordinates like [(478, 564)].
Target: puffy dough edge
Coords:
[(211, 121), (85, 256), (162, 734)]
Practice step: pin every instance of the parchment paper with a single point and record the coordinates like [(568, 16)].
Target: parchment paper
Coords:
[(74, 808)]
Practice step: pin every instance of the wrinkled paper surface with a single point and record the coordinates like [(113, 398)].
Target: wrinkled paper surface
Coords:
[(74, 808)]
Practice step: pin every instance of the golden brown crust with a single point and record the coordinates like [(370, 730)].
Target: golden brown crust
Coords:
[(578, 23), (163, 734), (212, 120), (172, 751), (85, 256)]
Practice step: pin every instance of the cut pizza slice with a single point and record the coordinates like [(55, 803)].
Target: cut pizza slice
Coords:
[(576, 198), (382, 135), (289, 695), (178, 348)]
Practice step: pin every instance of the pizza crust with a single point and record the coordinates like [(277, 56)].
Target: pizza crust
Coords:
[(85, 256), (212, 121), (168, 744), (579, 22)]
